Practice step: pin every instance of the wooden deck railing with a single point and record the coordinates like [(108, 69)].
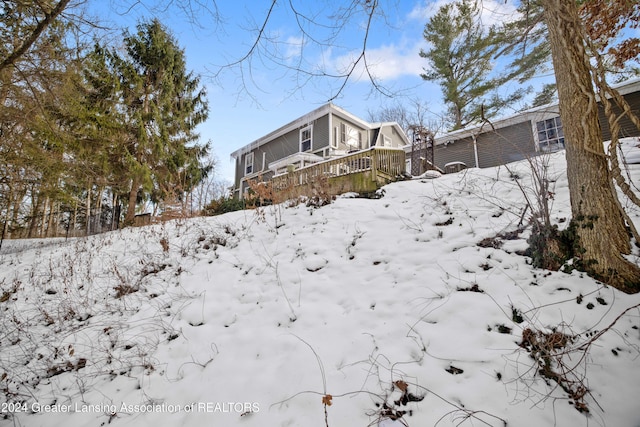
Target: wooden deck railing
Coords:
[(377, 165)]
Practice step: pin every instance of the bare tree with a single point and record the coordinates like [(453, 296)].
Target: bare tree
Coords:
[(408, 114)]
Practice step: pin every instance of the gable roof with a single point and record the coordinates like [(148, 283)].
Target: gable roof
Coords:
[(379, 125), (299, 122), (309, 118)]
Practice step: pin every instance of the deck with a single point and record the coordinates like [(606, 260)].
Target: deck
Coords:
[(362, 172)]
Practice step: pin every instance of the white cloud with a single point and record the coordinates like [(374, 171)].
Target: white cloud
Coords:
[(294, 46), (390, 62), (426, 10), (492, 11), (386, 62), (395, 59)]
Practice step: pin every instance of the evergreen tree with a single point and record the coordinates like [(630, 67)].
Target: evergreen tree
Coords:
[(163, 105), (461, 61), (96, 131), (31, 78), (526, 40)]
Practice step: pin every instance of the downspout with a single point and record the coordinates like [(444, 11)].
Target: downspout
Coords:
[(331, 134), (475, 150)]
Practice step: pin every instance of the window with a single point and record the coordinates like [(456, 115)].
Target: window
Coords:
[(387, 141), (336, 137), (350, 136), (305, 138), (550, 134), (248, 164)]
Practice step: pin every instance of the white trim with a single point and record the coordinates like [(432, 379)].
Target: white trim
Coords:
[(556, 141), (264, 160), (300, 122), (248, 163), (330, 129), (335, 137), (350, 136), (533, 114), (299, 159), (308, 128), (534, 132)]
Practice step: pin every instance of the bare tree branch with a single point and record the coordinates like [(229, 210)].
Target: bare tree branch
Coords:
[(317, 32), (49, 17)]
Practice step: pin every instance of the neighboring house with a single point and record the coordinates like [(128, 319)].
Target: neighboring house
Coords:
[(528, 133), (325, 133)]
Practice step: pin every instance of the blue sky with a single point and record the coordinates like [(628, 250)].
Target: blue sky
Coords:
[(254, 98)]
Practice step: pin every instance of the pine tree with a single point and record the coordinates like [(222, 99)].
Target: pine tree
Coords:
[(31, 78), (163, 104), (461, 61)]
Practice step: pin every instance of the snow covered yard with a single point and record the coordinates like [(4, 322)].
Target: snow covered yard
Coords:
[(405, 310)]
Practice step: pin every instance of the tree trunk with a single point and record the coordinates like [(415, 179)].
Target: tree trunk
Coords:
[(51, 230), (98, 213), (131, 207), (595, 208), (75, 217), (36, 201), (88, 211), (114, 211), (43, 223)]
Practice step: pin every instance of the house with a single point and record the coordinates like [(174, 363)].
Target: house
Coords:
[(517, 137), (325, 133)]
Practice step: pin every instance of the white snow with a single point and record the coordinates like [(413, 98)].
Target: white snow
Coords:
[(250, 320), (630, 151)]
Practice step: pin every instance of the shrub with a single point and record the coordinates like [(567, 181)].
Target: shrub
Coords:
[(223, 205)]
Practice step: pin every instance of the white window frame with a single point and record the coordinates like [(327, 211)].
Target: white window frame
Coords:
[(308, 128), (248, 163), (550, 134), (387, 141), (336, 136), (350, 136)]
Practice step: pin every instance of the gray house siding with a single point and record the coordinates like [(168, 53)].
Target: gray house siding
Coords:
[(238, 173), (460, 151), (506, 145), (388, 131), (627, 128), (333, 129), (495, 147), (519, 136), (321, 134), (284, 145), (337, 134), (279, 148)]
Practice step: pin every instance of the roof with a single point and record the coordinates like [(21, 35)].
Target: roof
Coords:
[(299, 122), (395, 125), (293, 158), (626, 87)]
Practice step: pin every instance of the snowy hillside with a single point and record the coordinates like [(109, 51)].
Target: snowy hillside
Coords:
[(410, 308)]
